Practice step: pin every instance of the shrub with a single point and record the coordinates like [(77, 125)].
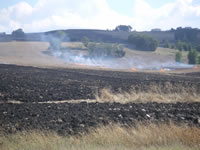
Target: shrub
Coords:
[(198, 59), (143, 42), (18, 34), (173, 46), (105, 50), (183, 46), (192, 57), (178, 57), (198, 48), (125, 28), (55, 44), (56, 39), (167, 45), (85, 41)]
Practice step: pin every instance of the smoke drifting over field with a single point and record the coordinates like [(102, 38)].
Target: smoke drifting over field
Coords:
[(80, 56)]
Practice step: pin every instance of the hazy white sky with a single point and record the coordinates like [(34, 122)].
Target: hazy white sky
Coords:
[(44, 15)]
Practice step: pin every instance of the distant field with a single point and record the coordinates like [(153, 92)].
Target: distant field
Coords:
[(32, 54), (28, 54)]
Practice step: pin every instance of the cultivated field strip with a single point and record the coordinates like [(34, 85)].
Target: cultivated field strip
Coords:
[(75, 118), (29, 84)]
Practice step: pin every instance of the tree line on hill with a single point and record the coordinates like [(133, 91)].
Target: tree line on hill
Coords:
[(185, 39)]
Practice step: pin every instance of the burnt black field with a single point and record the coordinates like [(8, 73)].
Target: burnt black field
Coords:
[(31, 85)]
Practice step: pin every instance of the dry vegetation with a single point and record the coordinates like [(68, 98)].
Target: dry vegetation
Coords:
[(170, 94), (152, 136), (157, 93), (32, 54)]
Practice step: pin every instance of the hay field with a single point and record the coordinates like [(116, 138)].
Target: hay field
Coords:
[(27, 54), (32, 54)]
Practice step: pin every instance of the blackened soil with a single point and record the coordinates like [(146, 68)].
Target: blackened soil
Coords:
[(29, 84), (68, 118)]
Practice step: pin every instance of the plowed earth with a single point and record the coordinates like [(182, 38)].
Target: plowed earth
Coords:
[(28, 85), (68, 118)]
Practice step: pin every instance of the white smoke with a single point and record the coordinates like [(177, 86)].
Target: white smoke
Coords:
[(80, 57)]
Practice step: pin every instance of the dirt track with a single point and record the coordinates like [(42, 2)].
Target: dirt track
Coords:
[(29, 84)]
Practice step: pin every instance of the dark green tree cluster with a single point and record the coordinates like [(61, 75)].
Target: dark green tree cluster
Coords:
[(193, 57), (179, 57), (183, 46), (198, 48), (187, 34), (143, 42), (105, 50), (125, 28), (167, 45), (19, 33)]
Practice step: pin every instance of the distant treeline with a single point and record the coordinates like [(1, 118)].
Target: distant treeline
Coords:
[(179, 38), (185, 39), (119, 35), (143, 42)]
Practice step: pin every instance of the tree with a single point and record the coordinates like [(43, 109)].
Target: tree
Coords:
[(105, 50), (189, 47), (85, 41), (124, 28), (60, 35), (192, 57), (187, 34), (198, 48), (173, 46), (167, 45), (143, 42), (178, 57), (183, 46), (19, 33), (56, 39), (179, 45), (55, 44), (198, 59)]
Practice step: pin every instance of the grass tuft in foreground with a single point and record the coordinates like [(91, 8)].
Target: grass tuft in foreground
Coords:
[(152, 136)]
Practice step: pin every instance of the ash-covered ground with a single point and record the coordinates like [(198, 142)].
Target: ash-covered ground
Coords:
[(69, 118), (30, 85)]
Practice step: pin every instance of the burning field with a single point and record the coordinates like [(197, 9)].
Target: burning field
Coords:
[(29, 94), (37, 54), (70, 107)]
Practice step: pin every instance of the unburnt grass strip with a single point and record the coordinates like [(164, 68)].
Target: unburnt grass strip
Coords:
[(114, 136)]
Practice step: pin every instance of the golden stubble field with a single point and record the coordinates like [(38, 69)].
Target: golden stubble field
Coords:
[(32, 54), (27, 54)]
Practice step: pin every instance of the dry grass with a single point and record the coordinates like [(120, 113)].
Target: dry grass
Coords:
[(154, 137), (167, 93)]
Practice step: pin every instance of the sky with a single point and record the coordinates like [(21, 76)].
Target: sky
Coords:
[(45, 15)]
